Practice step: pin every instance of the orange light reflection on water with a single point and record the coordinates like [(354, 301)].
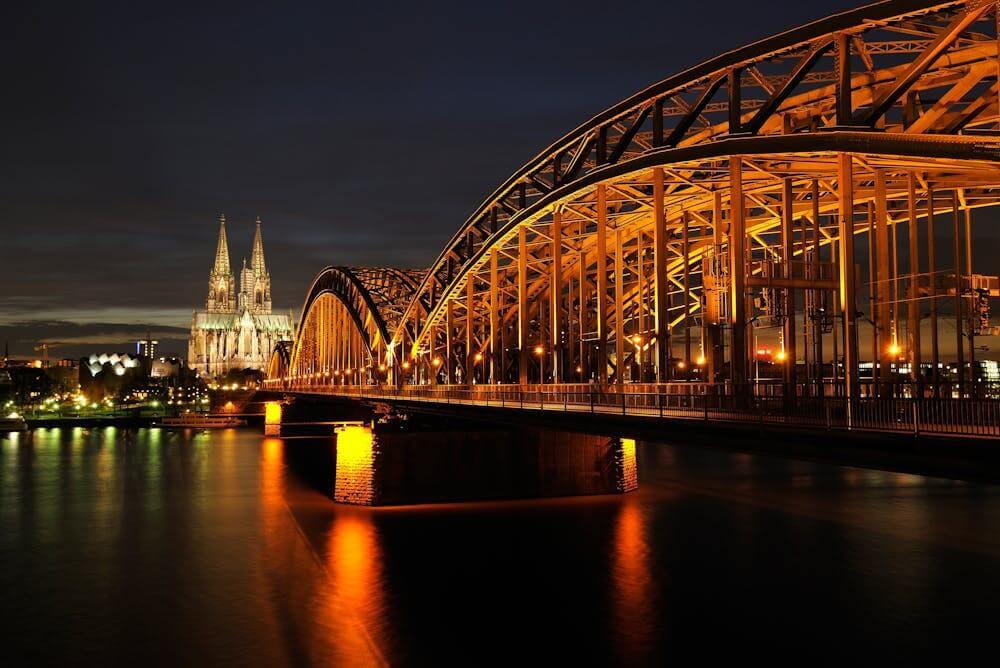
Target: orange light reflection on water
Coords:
[(354, 570), (633, 594)]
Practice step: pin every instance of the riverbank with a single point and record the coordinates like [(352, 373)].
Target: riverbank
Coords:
[(92, 421)]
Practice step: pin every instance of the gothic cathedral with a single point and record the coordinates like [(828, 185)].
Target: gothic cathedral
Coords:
[(236, 330)]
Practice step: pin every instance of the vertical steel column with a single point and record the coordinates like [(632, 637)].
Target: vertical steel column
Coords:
[(640, 319), (433, 355), (848, 297), (788, 250), (570, 350), (883, 278), (737, 276), (872, 294), (619, 309), (957, 260), (913, 305), (555, 298), (584, 297), (470, 323), (932, 292), (522, 305), (686, 253), (819, 297), (971, 333), (894, 277), (711, 318), (495, 349), (661, 314), (449, 333), (602, 285)]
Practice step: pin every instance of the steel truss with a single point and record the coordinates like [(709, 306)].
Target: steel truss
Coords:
[(651, 243)]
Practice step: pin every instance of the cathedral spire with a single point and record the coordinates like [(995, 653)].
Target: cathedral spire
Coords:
[(221, 286), (257, 256), (222, 265)]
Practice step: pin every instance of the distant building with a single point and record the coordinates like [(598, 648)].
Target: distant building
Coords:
[(165, 367), (146, 348), (236, 330)]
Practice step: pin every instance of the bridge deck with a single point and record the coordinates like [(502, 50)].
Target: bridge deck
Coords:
[(971, 418)]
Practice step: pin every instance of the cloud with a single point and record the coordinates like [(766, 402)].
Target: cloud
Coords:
[(74, 339)]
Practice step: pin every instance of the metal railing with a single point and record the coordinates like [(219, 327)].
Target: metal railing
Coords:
[(969, 417)]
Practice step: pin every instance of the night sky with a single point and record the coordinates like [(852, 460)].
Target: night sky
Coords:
[(361, 134)]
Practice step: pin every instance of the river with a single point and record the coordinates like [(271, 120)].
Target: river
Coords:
[(152, 547)]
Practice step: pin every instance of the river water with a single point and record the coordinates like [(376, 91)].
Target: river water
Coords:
[(150, 547)]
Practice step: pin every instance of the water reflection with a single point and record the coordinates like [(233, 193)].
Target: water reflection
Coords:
[(633, 590), (354, 559), (104, 538)]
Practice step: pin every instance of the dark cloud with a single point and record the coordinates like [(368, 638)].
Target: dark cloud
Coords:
[(75, 339)]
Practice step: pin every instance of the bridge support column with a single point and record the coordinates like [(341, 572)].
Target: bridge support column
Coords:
[(620, 336), (788, 250), (602, 285), (496, 350), (686, 313), (932, 294), (913, 305), (433, 363), (555, 296), (522, 306), (661, 287), (959, 320), (583, 323), (848, 298), (711, 332), (470, 324), (737, 277), (450, 360), (883, 313), (818, 296)]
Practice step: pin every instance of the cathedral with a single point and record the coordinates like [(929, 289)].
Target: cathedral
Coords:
[(237, 329)]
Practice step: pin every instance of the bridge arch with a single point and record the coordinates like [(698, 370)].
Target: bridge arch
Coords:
[(739, 199), (722, 197), (345, 325)]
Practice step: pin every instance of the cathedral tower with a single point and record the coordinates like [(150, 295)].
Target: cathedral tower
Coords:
[(221, 283), (255, 282), (237, 331)]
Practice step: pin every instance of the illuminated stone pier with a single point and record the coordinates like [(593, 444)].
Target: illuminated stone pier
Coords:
[(396, 468)]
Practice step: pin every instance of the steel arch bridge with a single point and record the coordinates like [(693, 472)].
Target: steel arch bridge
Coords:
[(789, 184), (346, 323)]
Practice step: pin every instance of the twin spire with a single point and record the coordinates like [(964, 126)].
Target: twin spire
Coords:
[(255, 284), (222, 264)]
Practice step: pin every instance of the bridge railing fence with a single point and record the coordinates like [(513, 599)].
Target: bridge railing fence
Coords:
[(942, 415)]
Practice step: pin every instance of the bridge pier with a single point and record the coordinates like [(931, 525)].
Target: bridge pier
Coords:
[(476, 463)]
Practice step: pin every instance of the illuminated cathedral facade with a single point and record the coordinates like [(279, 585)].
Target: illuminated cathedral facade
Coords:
[(237, 329)]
